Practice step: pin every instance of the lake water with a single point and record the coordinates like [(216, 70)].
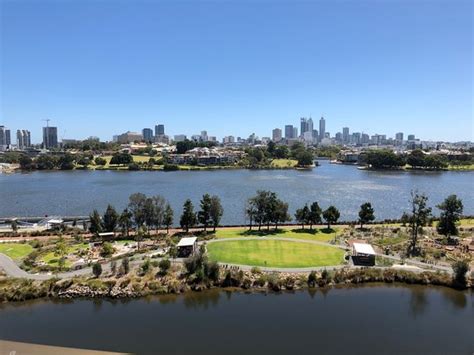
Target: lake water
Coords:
[(78, 192), (375, 319)]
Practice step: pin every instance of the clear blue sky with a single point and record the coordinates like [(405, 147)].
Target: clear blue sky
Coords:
[(237, 67)]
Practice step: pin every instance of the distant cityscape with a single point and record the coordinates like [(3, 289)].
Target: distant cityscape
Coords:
[(307, 133)]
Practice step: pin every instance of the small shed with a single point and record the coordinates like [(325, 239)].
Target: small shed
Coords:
[(54, 223), (187, 246), (363, 254), (106, 235)]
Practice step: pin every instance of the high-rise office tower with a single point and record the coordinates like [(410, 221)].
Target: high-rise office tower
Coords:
[(50, 137), (147, 134), (276, 135), (159, 130), (289, 131), (309, 125), (5, 138), (295, 132), (303, 125), (399, 136), (23, 138), (411, 137), (345, 134), (322, 128)]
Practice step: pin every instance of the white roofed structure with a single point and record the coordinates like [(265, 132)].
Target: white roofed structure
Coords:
[(363, 248), (187, 242)]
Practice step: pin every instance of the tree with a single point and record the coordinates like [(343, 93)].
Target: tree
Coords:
[(61, 251), (110, 220), (420, 214), (305, 158), (331, 215), (460, 269), (136, 205), (95, 222), (188, 218), (216, 211), (107, 250), (204, 215), (26, 163), (451, 210), (125, 221), (366, 214), (66, 162), (97, 269), (250, 212), (14, 225), (100, 161), (168, 217), (280, 214), (314, 216), (302, 215), (121, 159)]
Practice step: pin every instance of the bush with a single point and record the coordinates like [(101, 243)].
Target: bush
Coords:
[(170, 167), (460, 268), (107, 250), (125, 267), (97, 269), (133, 167), (164, 266), (146, 266), (256, 270), (312, 279)]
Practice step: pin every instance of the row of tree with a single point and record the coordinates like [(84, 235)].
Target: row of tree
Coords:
[(154, 213), (387, 159)]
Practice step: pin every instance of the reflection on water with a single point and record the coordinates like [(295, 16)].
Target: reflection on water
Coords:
[(334, 319)]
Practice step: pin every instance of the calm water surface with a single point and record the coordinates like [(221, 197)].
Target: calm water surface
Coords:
[(78, 192), (370, 319)]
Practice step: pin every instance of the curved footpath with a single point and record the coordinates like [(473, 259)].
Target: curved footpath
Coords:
[(13, 270)]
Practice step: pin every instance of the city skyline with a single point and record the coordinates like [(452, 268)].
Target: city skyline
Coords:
[(237, 68)]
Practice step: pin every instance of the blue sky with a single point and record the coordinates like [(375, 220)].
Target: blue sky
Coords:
[(237, 67)]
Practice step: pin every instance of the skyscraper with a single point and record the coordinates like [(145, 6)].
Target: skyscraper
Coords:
[(50, 137), (295, 132), (309, 125), (23, 138), (276, 135), (289, 131), (147, 134), (399, 136), (322, 128), (5, 138), (345, 134), (303, 126), (159, 130)]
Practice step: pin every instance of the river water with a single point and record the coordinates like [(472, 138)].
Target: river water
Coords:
[(78, 192), (374, 319)]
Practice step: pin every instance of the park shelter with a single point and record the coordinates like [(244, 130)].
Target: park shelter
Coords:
[(363, 254), (187, 246)]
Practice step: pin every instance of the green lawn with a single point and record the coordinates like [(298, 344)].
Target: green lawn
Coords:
[(274, 253), (284, 163), (287, 232), (466, 222), (52, 260), (16, 251)]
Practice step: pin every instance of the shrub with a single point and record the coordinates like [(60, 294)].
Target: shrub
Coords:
[(125, 268), (146, 266), (312, 279), (460, 268), (164, 266), (133, 166), (256, 270), (97, 269), (170, 167), (107, 250)]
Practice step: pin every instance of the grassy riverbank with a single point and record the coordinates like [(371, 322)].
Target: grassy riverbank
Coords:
[(139, 284)]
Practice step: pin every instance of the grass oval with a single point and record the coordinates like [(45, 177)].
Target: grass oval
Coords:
[(274, 253)]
